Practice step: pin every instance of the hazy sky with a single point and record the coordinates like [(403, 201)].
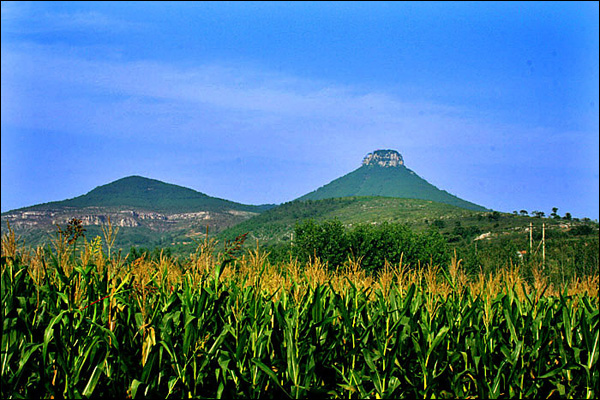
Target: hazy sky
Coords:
[(496, 103)]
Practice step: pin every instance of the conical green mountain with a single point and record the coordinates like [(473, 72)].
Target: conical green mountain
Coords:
[(149, 194), (384, 174)]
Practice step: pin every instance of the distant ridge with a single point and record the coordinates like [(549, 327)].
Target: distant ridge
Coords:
[(384, 174)]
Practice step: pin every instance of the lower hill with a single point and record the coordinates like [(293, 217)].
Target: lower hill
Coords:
[(277, 224), (482, 240)]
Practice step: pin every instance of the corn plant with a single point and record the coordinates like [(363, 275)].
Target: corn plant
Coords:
[(89, 326)]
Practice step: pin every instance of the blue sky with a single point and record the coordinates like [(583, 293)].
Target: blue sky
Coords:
[(496, 103)]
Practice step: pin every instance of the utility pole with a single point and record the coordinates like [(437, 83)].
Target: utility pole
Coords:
[(543, 246), (530, 238)]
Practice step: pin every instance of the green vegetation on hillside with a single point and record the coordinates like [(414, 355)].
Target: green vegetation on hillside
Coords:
[(276, 224), (149, 194), (483, 241), (373, 180)]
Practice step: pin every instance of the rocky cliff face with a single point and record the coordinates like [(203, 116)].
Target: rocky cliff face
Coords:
[(88, 216), (99, 216), (26, 223), (384, 158)]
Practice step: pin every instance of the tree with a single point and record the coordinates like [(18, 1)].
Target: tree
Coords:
[(568, 216), (327, 241), (554, 213), (538, 214), (331, 242), (524, 213)]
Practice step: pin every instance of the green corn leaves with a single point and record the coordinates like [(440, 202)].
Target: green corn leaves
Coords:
[(225, 339)]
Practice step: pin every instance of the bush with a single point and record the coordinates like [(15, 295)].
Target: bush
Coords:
[(581, 230)]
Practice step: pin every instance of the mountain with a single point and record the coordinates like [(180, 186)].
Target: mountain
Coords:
[(150, 212), (148, 194), (384, 174)]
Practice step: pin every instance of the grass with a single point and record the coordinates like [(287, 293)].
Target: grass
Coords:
[(82, 320)]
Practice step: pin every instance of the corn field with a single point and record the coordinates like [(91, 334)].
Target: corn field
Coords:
[(80, 320)]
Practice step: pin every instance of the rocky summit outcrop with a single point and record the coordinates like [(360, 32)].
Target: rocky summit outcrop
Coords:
[(384, 158)]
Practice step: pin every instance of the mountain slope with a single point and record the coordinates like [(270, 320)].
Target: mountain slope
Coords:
[(148, 194), (383, 173)]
